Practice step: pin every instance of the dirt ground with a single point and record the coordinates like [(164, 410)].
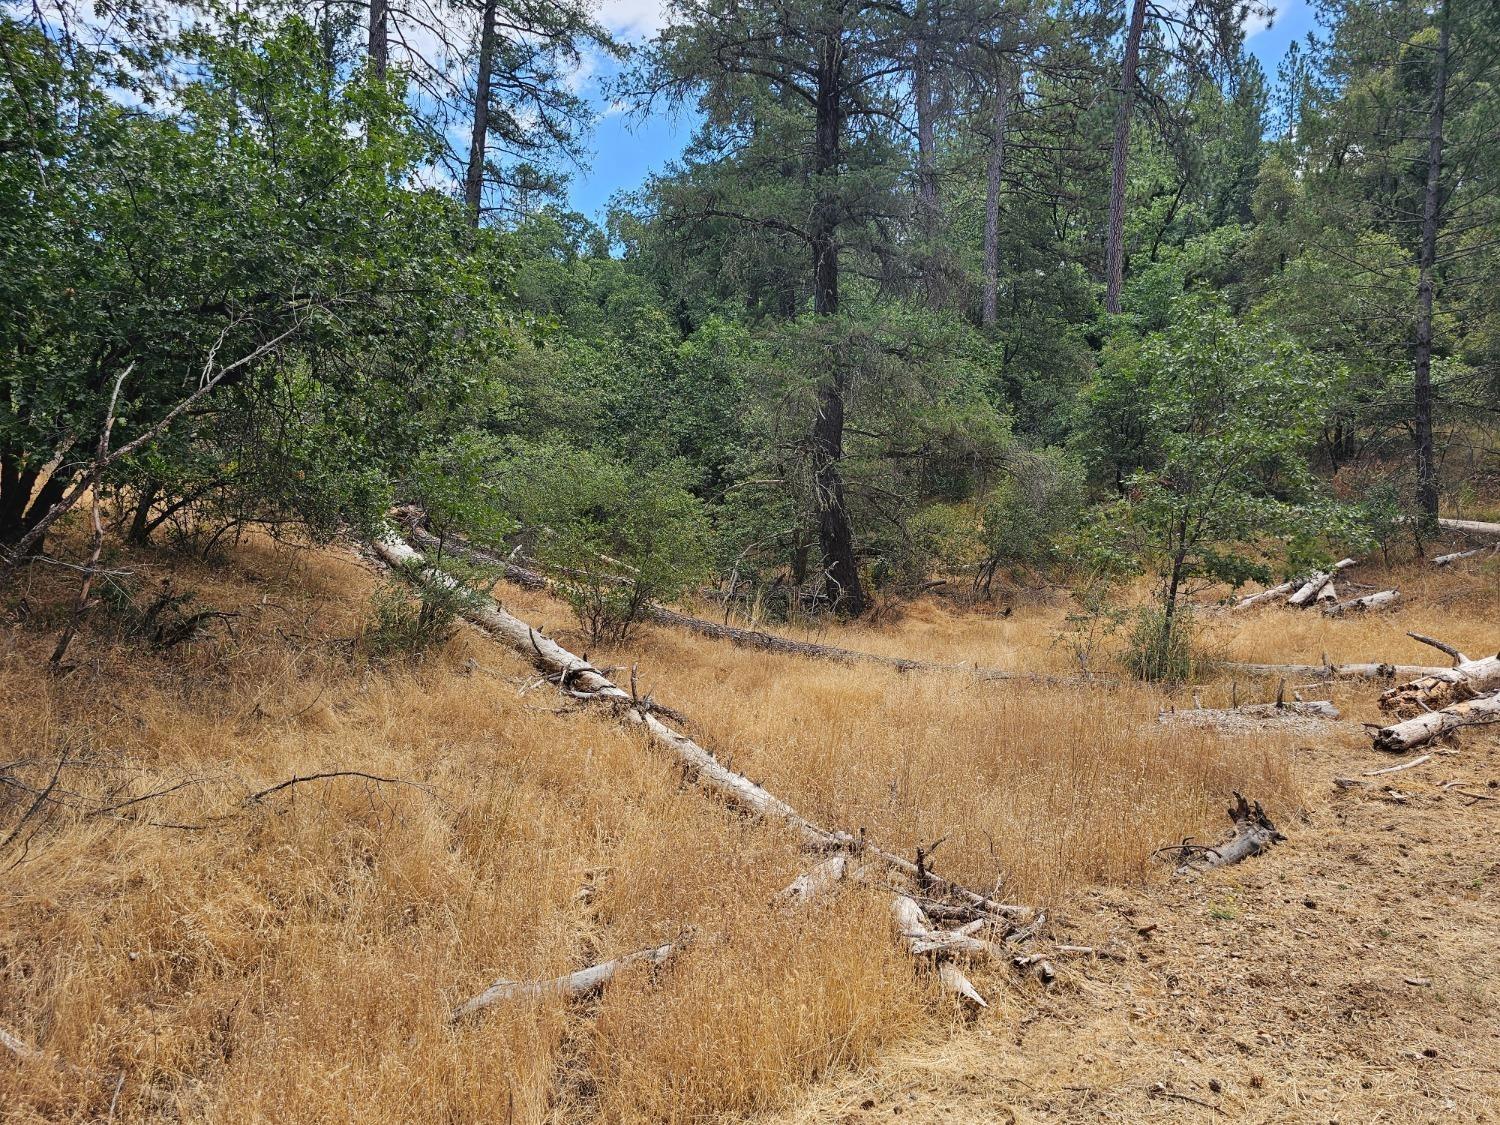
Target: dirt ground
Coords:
[(1350, 975)]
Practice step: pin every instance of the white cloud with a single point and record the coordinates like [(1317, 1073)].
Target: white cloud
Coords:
[(633, 19)]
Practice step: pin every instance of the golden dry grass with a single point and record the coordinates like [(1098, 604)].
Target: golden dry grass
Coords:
[(295, 959)]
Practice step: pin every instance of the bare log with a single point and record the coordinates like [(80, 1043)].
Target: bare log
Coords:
[(1442, 687), (1471, 527), (1450, 559), (1253, 834), (1382, 600), (571, 986), (1328, 593), (1411, 733), (1331, 671), (1314, 585), (1268, 595), (583, 681), (1210, 716)]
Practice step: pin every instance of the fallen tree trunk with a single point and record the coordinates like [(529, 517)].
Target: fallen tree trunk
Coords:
[(1313, 708), (1268, 595), (1382, 600), (571, 986), (1471, 527), (1330, 671), (1450, 559), (1313, 587), (755, 638), (1253, 834), (582, 680), (1411, 733), (1441, 687)]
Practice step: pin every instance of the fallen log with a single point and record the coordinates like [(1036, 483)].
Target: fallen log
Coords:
[(570, 986), (1382, 600), (1450, 559), (1253, 834), (1441, 687), (1471, 527), (1314, 585), (755, 638), (1268, 595), (583, 681), (1330, 671), (1411, 733)]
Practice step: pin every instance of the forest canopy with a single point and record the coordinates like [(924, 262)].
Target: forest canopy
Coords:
[(937, 290)]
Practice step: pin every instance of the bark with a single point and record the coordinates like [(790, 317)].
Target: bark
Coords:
[(1314, 585), (1448, 560), (1424, 728), (1253, 834), (835, 530), (583, 681), (378, 45), (1331, 671), (479, 137), (570, 987), (1382, 600), (1114, 238), (1427, 491), (1442, 687), (1471, 527), (994, 177)]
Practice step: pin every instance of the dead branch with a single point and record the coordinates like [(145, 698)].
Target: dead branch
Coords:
[(1253, 834), (257, 797), (570, 986), (1424, 728)]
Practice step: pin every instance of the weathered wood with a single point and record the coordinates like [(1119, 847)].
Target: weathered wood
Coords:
[(583, 681), (1412, 764), (1314, 585), (570, 986), (1253, 834), (1268, 595), (1382, 600), (1330, 671), (1442, 687), (1450, 559), (922, 940), (1422, 729), (1471, 527)]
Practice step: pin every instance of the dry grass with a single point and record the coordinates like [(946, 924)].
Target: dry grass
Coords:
[(295, 959)]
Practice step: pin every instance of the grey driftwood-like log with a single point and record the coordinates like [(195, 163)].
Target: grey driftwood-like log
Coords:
[(570, 987), (1441, 687), (1253, 834), (1384, 599), (1471, 527), (1422, 729), (1314, 586), (583, 681), (755, 638), (1269, 595), (1456, 556), (1330, 671)]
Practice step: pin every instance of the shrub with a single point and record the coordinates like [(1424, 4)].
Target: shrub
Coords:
[(1162, 647)]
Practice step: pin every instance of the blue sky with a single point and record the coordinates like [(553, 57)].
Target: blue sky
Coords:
[(627, 150)]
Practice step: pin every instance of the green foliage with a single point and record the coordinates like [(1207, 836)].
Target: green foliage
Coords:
[(617, 537), (1037, 504), (1219, 417), (1161, 647)]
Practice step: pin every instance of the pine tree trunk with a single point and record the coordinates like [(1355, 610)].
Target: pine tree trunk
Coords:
[(474, 174), (378, 48), (835, 535), (994, 176), (1427, 492), (1114, 240)]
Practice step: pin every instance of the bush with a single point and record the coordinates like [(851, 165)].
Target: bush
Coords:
[(1162, 648), (616, 537), (409, 616)]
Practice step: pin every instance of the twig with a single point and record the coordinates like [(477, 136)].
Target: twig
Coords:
[(255, 798), (1442, 646), (1399, 768)]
